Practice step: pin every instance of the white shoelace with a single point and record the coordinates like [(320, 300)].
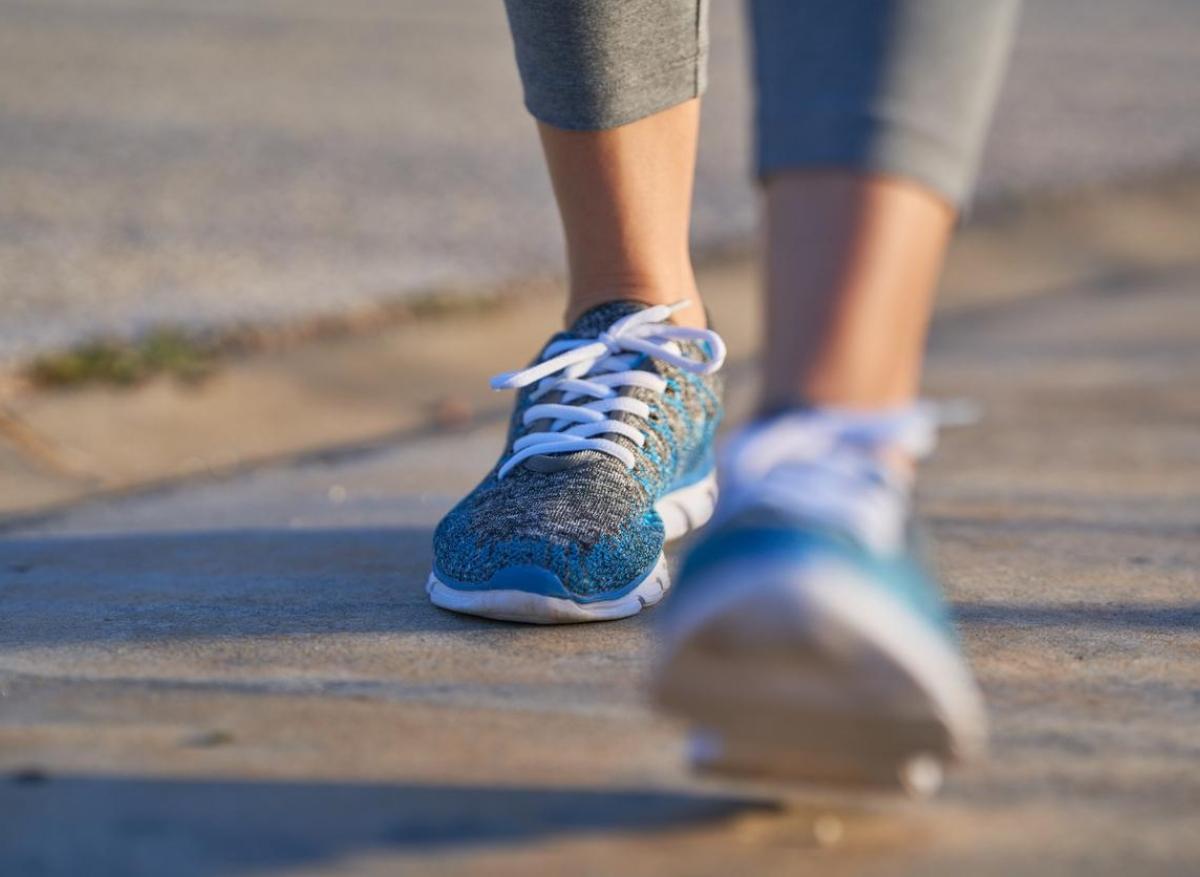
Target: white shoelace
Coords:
[(588, 372), (830, 465)]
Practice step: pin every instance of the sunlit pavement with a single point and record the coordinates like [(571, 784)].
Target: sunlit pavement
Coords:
[(245, 676), (241, 674)]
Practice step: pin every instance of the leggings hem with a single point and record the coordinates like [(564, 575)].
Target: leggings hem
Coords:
[(663, 89), (875, 143)]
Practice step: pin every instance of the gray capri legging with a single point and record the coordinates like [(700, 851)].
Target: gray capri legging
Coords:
[(902, 87)]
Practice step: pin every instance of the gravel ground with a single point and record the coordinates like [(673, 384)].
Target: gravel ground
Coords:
[(210, 162)]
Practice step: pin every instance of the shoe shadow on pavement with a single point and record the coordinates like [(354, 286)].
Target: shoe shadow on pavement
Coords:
[(261, 582), (245, 582), (66, 594), (128, 825)]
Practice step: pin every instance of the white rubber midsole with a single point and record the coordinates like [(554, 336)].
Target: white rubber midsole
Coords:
[(513, 605), (681, 511), (688, 508), (813, 646)]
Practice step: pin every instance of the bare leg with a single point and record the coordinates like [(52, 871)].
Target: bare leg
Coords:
[(852, 263), (625, 196), (810, 555)]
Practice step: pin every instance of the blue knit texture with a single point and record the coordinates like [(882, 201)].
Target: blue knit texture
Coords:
[(592, 524)]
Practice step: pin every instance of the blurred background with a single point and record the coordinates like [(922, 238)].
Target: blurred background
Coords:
[(257, 261), (199, 163), (218, 217)]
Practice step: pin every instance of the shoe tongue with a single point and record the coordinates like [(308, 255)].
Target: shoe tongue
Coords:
[(594, 321)]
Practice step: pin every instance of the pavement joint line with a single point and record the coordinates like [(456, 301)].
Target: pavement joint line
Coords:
[(1167, 196), (373, 445), (168, 484), (389, 440), (450, 303), (37, 449)]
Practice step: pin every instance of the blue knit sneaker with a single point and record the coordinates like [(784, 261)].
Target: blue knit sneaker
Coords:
[(806, 641), (609, 455)]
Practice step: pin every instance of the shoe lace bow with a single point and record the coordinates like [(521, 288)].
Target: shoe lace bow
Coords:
[(588, 375)]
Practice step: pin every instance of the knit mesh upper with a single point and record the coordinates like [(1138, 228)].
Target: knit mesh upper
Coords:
[(592, 523)]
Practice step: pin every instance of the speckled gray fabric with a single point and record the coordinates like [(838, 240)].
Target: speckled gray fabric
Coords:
[(592, 524), (588, 64)]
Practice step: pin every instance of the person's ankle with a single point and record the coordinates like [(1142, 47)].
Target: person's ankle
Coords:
[(694, 316)]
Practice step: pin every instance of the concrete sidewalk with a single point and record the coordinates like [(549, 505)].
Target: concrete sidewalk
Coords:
[(244, 676), (360, 388)]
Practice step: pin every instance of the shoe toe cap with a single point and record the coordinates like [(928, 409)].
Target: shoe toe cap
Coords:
[(552, 567)]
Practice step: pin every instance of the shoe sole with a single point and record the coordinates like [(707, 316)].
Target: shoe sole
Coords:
[(688, 508), (682, 511), (817, 677)]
